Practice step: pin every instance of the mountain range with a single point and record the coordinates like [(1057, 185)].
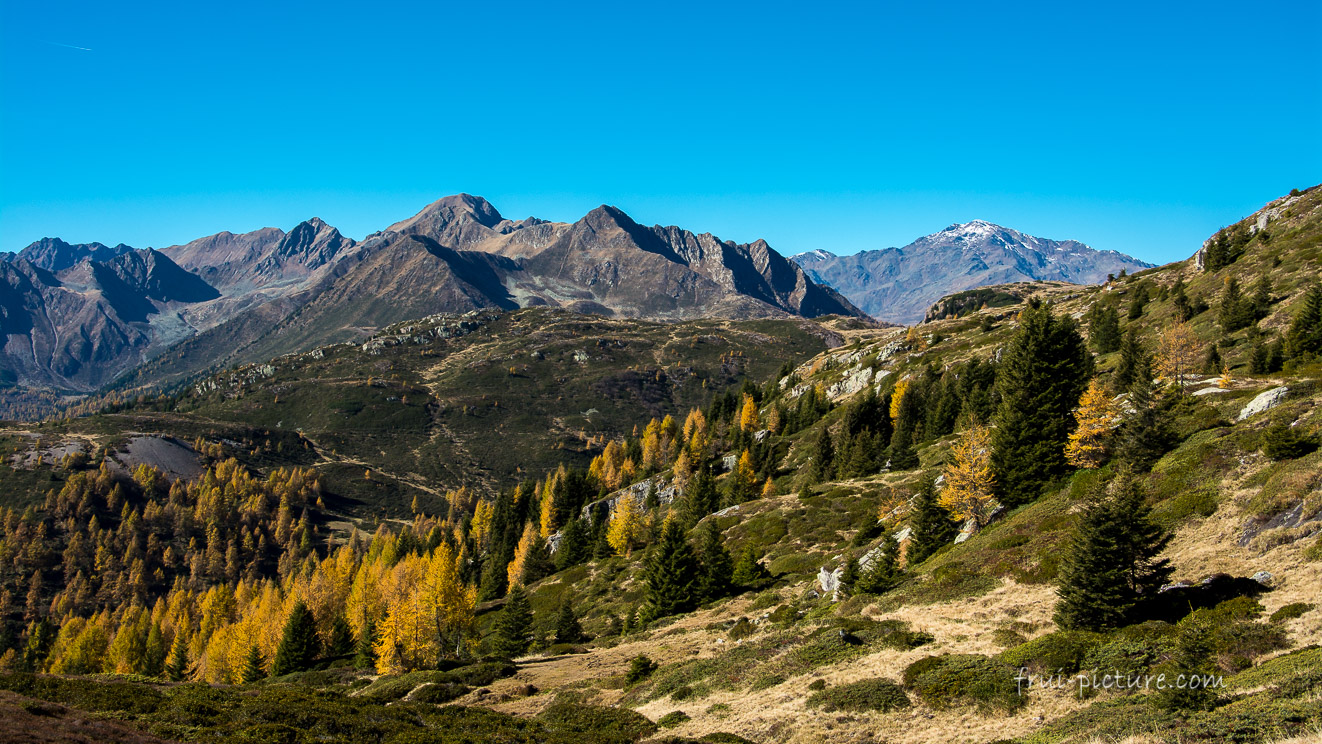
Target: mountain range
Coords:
[(900, 284), (78, 316)]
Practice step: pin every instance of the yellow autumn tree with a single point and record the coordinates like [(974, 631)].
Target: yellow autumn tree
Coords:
[(969, 480), (480, 527), (1087, 445), (449, 602), (696, 434), (897, 395), (1179, 354), (514, 571), (625, 527), (748, 414)]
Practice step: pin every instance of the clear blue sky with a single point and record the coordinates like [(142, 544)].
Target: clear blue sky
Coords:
[(1136, 127)]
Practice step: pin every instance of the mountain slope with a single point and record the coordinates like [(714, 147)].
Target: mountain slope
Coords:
[(899, 284)]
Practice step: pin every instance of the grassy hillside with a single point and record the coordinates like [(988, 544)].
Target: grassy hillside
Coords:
[(932, 657)]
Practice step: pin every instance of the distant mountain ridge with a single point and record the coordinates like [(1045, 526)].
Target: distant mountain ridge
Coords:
[(900, 284), (77, 316)]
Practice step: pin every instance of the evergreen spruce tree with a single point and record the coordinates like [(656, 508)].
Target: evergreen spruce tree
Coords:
[(567, 627), (1138, 302), (176, 666), (749, 573), (341, 642), (365, 658), (717, 564), (1192, 656), (673, 575), (539, 563), (1304, 339), (1261, 302), (575, 545), (884, 571), (254, 667), (1104, 329), (932, 525), (1212, 364), (1111, 564), (495, 576), (904, 441), (512, 634), (1284, 442), (849, 577), (702, 497), (1183, 308), (1135, 362), (823, 456), (1147, 434), (1234, 312), (298, 647), (1041, 376)]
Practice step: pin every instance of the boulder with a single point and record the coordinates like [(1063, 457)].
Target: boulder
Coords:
[(1264, 402)]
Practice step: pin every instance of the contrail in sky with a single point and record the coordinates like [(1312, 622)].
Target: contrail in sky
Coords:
[(69, 46)]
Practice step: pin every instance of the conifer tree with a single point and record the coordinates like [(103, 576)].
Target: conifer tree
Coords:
[(1089, 442), (1112, 562), (1281, 441), (702, 498), (673, 575), (1138, 301), (823, 456), (904, 440), (1234, 313), (970, 481), (717, 565), (177, 664), (749, 572), (1261, 301), (513, 629), (1041, 376), (884, 571), (1104, 329), (567, 627), (1304, 339), (575, 545), (365, 656), (254, 667), (298, 647), (341, 641), (1192, 656), (743, 481), (933, 526), (1213, 363), (1147, 433), (1135, 361)]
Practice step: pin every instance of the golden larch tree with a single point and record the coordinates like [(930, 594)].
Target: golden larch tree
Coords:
[(1094, 419), (969, 480), (1180, 353), (626, 525), (748, 414)]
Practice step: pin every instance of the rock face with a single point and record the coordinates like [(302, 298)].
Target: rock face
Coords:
[(77, 316), (899, 284)]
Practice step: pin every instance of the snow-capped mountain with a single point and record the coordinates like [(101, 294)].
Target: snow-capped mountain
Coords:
[(899, 284)]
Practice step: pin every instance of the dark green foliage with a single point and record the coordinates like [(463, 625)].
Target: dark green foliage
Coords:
[(905, 439), (567, 627), (1261, 301), (1212, 364), (865, 432), (702, 498), (640, 668), (299, 645), (512, 634), (1063, 651), (1104, 328), (822, 467), (933, 527), (1111, 564), (1304, 339), (341, 642), (575, 545), (1225, 247), (953, 679), (1040, 378), (1192, 657), (717, 564), (1148, 433), (672, 719), (254, 667), (1135, 361), (1236, 311), (884, 571), (590, 723), (1133, 650), (1281, 441), (1291, 611), (1266, 356), (673, 575), (365, 656), (749, 573), (1138, 301), (880, 695), (176, 666)]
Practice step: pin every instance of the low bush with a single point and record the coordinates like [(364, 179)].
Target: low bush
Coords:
[(640, 668), (1062, 651), (741, 629), (870, 694), (1291, 611), (1133, 650), (672, 719), (596, 724), (952, 679), (439, 693)]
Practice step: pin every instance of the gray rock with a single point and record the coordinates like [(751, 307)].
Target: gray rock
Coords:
[(1264, 577), (1264, 402)]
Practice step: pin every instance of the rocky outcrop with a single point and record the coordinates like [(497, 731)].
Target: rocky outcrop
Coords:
[(1264, 402)]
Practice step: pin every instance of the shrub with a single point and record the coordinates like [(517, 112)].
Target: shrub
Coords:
[(741, 629), (784, 615), (672, 719), (596, 724), (1063, 650), (817, 684), (951, 679), (1133, 650), (1291, 611), (870, 694), (1006, 638), (720, 737), (640, 668), (482, 673), (439, 693)]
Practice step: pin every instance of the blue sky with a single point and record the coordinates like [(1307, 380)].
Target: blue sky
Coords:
[(1139, 128)]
